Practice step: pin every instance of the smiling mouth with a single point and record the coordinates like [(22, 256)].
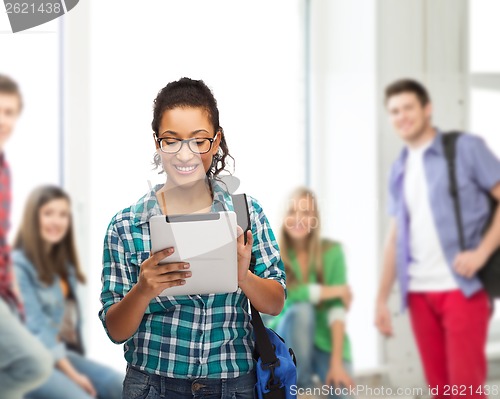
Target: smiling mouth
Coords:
[(185, 169)]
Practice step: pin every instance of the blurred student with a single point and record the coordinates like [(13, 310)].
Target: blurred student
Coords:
[(48, 272), (24, 362), (449, 309), (313, 319)]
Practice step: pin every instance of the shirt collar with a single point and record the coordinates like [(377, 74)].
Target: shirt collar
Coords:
[(148, 205), (222, 198), (436, 147), (437, 143)]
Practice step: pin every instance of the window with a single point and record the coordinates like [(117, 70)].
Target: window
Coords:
[(484, 32)]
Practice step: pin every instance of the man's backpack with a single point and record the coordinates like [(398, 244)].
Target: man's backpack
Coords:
[(276, 368), (489, 274)]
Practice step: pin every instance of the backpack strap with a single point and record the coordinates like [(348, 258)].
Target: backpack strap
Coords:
[(450, 145), (262, 341)]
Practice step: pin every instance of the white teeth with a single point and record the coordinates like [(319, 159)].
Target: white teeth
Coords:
[(186, 168)]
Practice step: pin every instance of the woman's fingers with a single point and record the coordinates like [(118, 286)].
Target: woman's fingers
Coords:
[(172, 276), (171, 267), (156, 258), (160, 255), (241, 238), (249, 239), (349, 382), (239, 234)]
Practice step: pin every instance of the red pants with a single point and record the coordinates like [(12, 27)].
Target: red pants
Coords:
[(451, 330)]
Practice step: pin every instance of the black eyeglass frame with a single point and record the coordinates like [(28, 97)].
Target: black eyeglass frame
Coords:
[(187, 141)]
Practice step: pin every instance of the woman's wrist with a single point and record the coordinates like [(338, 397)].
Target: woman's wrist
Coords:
[(74, 376), (140, 295), (243, 284), (67, 368), (329, 292), (336, 362)]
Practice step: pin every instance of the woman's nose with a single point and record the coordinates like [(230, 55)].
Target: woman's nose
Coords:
[(184, 154)]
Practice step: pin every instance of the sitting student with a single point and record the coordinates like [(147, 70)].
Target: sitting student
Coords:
[(317, 297), (47, 269)]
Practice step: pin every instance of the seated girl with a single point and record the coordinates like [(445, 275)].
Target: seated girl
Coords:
[(48, 272), (313, 319)]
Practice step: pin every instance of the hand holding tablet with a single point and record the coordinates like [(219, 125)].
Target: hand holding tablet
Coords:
[(207, 241), (154, 278)]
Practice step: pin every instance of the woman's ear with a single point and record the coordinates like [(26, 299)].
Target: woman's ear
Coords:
[(217, 141), (155, 139)]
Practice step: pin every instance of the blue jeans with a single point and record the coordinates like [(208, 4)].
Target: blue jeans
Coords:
[(24, 361), (142, 385), (297, 329), (107, 382)]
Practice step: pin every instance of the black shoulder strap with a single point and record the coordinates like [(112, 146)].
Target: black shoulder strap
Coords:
[(449, 146), (264, 346)]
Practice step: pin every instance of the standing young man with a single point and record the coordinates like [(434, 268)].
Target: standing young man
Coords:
[(449, 309), (24, 362)]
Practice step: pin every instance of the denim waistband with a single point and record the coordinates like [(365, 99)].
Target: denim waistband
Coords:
[(197, 386)]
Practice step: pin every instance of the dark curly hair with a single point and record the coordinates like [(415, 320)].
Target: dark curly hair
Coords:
[(187, 92)]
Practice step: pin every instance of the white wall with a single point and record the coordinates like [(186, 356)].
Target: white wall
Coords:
[(254, 69), (483, 34), (344, 161), (32, 59)]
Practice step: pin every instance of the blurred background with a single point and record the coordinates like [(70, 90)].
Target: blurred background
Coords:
[(300, 88)]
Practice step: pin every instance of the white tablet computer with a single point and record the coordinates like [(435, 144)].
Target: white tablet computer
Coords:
[(208, 242)]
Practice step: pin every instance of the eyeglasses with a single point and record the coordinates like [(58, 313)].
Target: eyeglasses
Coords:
[(197, 145)]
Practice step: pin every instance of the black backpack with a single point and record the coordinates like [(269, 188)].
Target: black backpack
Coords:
[(489, 274)]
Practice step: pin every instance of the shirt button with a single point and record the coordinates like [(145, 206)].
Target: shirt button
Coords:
[(200, 332)]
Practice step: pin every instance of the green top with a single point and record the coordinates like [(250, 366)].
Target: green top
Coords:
[(334, 273)]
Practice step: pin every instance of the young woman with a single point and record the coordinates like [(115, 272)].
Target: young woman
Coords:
[(317, 297), (48, 272), (196, 345)]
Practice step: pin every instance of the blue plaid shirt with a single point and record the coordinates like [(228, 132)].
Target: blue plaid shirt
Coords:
[(188, 336)]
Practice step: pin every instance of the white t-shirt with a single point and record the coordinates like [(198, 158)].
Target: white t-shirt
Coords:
[(428, 269)]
